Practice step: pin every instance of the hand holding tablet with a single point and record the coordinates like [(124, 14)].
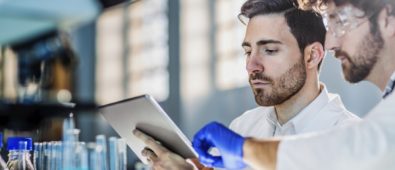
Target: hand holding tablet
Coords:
[(159, 156)]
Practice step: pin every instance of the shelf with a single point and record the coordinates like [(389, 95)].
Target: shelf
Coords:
[(28, 116)]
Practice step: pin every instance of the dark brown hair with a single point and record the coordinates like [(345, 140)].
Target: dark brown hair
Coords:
[(306, 26)]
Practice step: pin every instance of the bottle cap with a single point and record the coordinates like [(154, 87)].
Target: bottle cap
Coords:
[(13, 143)]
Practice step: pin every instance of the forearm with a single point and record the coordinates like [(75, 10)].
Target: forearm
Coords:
[(260, 154)]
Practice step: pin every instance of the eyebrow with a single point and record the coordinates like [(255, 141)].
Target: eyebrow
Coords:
[(261, 42)]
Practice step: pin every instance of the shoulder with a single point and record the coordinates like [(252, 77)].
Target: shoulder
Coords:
[(346, 117), (339, 112)]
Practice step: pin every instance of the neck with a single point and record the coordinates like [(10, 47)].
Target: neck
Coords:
[(291, 107), (382, 71)]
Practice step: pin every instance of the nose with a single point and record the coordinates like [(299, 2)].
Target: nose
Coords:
[(253, 64), (331, 41)]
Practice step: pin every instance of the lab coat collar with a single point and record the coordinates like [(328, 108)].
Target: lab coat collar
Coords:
[(390, 86)]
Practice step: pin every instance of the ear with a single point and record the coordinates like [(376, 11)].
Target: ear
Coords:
[(313, 55), (386, 21)]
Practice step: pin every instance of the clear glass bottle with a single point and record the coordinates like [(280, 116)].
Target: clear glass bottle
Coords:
[(19, 153), (70, 138), (3, 165), (69, 147)]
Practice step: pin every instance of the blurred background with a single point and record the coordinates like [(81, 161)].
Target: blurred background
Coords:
[(186, 53)]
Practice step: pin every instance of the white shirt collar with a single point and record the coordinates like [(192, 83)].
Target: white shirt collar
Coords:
[(298, 122)]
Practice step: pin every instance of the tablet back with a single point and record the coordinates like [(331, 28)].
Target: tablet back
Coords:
[(144, 113)]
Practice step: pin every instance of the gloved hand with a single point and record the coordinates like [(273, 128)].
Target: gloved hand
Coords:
[(229, 144)]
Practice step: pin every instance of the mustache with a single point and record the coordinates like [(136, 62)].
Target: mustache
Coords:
[(260, 76), (339, 52)]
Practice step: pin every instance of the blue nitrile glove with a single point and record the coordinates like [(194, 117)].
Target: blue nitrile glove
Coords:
[(229, 144)]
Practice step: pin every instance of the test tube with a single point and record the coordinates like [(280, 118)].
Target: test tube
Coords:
[(59, 154), (113, 151), (81, 156), (36, 155), (101, 149), (122, 154), (92, 156)]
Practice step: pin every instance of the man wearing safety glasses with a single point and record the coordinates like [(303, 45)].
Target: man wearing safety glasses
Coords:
[(361, 33)]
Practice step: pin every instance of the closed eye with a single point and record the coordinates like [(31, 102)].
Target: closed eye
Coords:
[(270, 52), (247, 53)]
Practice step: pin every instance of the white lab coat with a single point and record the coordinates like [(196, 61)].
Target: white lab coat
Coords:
[(366, 145)]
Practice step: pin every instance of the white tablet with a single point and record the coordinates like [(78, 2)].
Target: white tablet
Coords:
[(145, 114)]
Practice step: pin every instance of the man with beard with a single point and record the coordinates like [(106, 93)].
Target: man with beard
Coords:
[(283, 49), (361, 33)]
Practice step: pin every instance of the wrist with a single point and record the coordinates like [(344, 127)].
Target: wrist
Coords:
[(260, 154), (248, 150)]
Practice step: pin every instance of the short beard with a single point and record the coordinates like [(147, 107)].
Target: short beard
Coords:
[(364, 61), (284, 88)]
